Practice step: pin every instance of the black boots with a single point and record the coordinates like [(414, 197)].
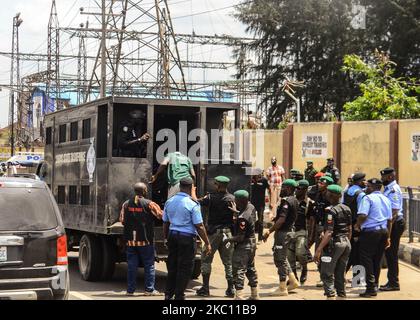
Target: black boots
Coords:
[(204, 291), (304, 274), (230, 291)]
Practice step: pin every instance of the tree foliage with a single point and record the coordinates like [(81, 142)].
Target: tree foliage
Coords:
[(308, 39), (383, 96)]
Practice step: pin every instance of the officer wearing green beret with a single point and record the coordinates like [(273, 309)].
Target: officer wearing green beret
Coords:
[(333, 252), (298, 247), (283, 232), (219, 226), (310, 172), (243, 238), (315, 228)]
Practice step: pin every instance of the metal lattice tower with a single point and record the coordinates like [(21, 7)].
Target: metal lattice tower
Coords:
[(82, 66), (155, 38), (53, 53), (14, 83)]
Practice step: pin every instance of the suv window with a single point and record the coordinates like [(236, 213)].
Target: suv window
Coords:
[(26, 210)]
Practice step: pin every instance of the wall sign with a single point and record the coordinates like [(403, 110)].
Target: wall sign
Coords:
[(314, 145), (415, 147)]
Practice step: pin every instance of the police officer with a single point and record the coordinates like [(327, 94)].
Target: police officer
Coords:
[(283, 232), (295, 174), (298, 247), (393, 192), (219, 226), (310, 172), (313, 190), (138, 217), (182, 221), (374, 220), (332, 169), (245, 245), (334, 250), (352, 198), (133, 137), (259, 185), (316, 221)]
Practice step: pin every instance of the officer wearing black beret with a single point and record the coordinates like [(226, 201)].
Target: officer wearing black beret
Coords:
[(393, 192), (332, 169)]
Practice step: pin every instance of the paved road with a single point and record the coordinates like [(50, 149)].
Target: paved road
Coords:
[(115, 289)]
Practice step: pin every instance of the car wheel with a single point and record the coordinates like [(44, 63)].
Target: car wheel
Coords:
[(90, 258), (109, 254)]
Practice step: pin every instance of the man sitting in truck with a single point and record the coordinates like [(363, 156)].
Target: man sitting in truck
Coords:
[(179, 167), (138, 216), (132, 137)]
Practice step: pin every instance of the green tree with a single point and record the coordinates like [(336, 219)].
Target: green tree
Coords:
[(306, 40), (383, 96)]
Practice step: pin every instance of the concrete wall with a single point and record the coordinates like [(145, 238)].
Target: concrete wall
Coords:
[(364, 147), (409, 168), (264, 145), (313, 129)]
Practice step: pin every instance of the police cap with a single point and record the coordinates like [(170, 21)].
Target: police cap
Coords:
[(309, 162), (303, 183), (294, 171), (327, 180), (375, 182), (222, 179), (290, 183), (328, 174), (330, 159), (387, 171), (358, 176), (241, 194), (335, 188), (187, 181)]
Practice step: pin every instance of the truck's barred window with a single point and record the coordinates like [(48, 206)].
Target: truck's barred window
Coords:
[(61, 195), (62, 133), (86, 129), (74, 127), (85, 196), (72, 194), (48, 135)]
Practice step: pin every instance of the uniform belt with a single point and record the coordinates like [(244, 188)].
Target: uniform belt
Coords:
[(399, 218), (340, 238), (180, 233), (223, 230), (377, 228)]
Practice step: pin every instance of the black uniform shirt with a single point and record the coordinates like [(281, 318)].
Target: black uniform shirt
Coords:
[(305, 210), (338, 220), (321, 203), (131, 131), (288, 209), (245, 224), (258, 192), (219, 213), (335, 173)]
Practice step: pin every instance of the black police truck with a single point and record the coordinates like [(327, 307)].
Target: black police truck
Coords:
[(91, 178)]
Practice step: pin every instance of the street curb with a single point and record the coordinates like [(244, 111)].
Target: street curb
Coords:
[(409, 254)]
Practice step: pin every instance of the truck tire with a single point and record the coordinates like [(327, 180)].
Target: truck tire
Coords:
[(109, 254), (196, 269), (90, 258)]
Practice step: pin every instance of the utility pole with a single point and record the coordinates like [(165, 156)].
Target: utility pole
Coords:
[(103, 53), (14, 80), (53, 52), (82, 65)]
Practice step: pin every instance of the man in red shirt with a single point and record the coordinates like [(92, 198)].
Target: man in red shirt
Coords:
[(275, 177)]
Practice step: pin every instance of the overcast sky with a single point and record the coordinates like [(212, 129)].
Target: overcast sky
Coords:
[(202, 16)]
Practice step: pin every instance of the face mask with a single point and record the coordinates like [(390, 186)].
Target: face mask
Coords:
[(273, 163)]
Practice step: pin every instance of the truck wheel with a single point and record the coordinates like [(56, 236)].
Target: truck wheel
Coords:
[(196, 270), (90, 258), (109, 254)]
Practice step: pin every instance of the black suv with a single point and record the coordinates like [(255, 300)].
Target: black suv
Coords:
[(33, 244)]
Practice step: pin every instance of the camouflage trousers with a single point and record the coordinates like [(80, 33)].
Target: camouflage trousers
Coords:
[(216, 242), (298, 249), (280, 249), (244, 264)]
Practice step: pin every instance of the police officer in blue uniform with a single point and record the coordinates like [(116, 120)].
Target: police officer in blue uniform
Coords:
[(374, 221), (353, 198), (393, 192), (335, 245), (182, 221)]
